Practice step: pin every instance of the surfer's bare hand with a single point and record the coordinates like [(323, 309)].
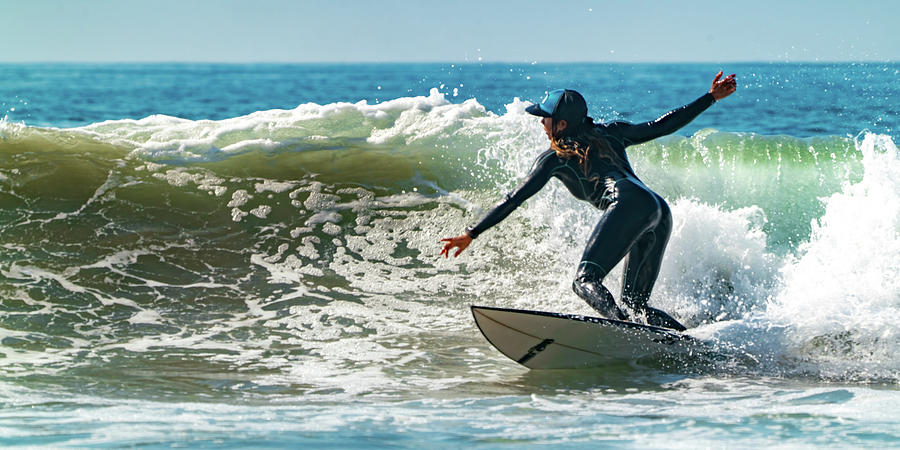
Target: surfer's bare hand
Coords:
[(724, 87), (460, 242)]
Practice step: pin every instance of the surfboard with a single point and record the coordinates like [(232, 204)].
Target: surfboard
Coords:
[(547, 340)]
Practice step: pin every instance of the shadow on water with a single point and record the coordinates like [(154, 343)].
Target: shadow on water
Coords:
[(657, 373), (620, 378)]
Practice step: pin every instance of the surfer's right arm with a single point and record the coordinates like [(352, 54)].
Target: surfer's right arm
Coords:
[(540, 174)]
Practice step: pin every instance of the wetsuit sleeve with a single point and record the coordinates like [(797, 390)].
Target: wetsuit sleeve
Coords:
[(540, 174), (670, 122)]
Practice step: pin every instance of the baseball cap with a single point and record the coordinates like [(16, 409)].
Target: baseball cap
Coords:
[(561, 104)]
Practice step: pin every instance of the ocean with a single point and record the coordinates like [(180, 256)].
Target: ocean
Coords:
[(246, 255)]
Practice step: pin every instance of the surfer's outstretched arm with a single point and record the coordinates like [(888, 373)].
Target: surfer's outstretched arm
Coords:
[(540, 174), (677, 118)]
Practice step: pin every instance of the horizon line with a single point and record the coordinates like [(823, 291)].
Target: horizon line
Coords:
[(463, 62)]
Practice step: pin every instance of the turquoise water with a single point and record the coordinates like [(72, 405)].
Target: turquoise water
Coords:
[(234, 255)]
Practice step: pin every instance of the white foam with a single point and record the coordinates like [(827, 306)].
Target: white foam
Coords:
[(274, 186), (237, 215), (239, 198), (181, 177), (841, 295), (146, 316), (323, 217), (400, 120), (426, 117), (261, 211), (716, 266)]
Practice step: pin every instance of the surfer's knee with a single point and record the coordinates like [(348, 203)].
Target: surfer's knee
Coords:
[(589, 271), (665, 221)]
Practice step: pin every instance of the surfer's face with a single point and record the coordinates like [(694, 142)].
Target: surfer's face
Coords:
[(550, 127)]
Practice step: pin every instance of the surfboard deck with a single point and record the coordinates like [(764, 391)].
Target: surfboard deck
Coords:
[(547, 340)]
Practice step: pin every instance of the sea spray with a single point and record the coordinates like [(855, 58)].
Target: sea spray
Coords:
[(841, 295)]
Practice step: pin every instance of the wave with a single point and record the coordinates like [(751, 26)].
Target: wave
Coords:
[(448, 147), (322, 222)]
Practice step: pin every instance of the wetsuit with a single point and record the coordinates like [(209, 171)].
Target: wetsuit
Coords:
[(636, 223)]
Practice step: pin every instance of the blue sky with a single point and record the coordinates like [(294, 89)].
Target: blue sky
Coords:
[(463, 30)]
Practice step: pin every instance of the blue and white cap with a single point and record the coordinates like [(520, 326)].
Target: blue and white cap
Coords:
[(561, 104)]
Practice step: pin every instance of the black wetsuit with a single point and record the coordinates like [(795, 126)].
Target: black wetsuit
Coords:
[(636, 223)]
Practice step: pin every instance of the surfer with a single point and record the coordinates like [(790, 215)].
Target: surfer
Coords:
[(590, 160)]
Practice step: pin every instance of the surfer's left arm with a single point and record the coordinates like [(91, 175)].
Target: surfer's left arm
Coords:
[(540, 174), (675, 119)]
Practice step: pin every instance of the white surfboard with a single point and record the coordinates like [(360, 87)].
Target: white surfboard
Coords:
[(545, 340)]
